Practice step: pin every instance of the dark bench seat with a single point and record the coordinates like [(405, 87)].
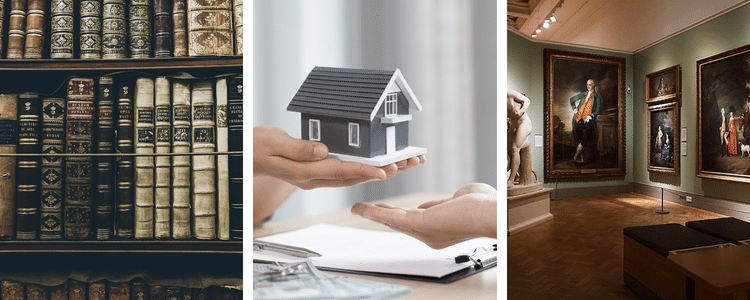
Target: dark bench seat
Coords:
[(729, 229)]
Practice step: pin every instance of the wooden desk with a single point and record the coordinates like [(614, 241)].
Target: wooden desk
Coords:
[(482, 285), (719, 273)]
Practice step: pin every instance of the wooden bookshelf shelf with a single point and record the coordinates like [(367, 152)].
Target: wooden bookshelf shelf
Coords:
[(120, 64), (122, 246)]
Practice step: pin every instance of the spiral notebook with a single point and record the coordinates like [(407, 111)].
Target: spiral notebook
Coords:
[(382, 253)]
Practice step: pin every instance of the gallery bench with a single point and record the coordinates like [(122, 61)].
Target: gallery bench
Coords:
[(732, 230)]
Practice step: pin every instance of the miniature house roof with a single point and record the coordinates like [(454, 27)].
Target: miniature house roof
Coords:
[(349, 93)]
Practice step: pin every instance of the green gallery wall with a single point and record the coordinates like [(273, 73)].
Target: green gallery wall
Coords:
[(727, 32)]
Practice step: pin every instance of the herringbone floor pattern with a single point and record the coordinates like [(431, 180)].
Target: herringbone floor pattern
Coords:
[(578, 254)]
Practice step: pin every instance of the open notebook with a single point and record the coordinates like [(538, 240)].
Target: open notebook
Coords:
[(380, 253)]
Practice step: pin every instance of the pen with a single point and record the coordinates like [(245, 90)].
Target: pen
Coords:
[(285, 249)]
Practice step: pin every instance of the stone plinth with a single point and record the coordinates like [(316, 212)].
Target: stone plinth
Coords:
[(528, 209)]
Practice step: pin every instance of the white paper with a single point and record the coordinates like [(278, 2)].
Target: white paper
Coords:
[(371, 251)]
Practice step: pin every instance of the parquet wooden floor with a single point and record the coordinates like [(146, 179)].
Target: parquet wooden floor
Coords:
[(578, 254)]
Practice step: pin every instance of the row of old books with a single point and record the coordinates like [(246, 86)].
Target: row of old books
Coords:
[(106, 290), (103, 162), (112, 29)]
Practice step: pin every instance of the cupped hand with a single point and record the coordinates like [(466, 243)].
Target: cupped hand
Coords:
[(470, 213)]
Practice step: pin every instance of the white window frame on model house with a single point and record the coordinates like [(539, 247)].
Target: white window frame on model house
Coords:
[(354, 136), (314, 127), (391, 104)]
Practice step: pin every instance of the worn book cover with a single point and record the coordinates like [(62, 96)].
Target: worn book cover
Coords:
[(222, 161), (162, 181), (77, 290), (2, 25), (234, 123), (35, 20), (90, 29), (210, 31), (105, 165), (144, 165), (58, 292), (17, 28), (237, 27), (140, 290), (139, 26), (28, 178), (62, 27), (98, 290), (158, 292), (181, 164), (119, 291), (179, 27), (162, 28), (10, 290), (204, 166), (79, 181), (53, 178), (114, 29), (8, 145), (125, 180), (36, 291)]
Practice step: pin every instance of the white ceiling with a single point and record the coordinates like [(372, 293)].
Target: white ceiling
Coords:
[(617, 25)]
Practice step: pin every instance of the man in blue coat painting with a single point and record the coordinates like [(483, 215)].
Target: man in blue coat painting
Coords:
[(586, 107)]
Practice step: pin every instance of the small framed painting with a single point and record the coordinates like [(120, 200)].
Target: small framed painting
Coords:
[(663, 134), (663, 85)]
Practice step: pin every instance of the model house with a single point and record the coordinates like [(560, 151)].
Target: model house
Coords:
[(361, 115)]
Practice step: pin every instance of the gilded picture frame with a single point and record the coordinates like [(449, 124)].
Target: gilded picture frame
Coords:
[(663, 85), (575, 146), (664, 136)]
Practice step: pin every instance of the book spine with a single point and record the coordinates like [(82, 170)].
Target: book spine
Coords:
[(98, 290), (90, 33), (140, 28), (204, 166), (114, 29), (105, 165), (162, 28), (12, 290), (158, 292), (58, 292), (28, 173), (2, 25), (76, 290), (174, 293), (222, 161), (8, 145), (238, 27), (35, 29), (144, 165), (162, 189), (36, 291), (140, 290), (179, 27), (181, 164), (53, 142), (119, 291), (78, 204), (234, 122), (125, 187), (17, 28), (210, 27), (61, 28)]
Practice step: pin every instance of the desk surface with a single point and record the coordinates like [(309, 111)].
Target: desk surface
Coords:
[(723, 269), (482, 285)]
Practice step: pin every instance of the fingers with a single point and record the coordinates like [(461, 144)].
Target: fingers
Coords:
[(384, 214), (432, 203), (297, 150)]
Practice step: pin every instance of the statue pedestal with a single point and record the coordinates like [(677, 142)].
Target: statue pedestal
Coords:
[(528, 209)]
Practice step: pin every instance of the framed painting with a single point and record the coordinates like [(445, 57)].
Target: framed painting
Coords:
[(584, 115), (723, 131), (663, 137), (663, 85)]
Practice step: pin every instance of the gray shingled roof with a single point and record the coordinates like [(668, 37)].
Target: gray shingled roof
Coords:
[(340, 92)]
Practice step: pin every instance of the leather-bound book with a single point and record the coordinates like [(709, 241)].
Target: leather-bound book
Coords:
[(139, 19), (179, 27), (104, 202), (163, 178), (2, 26), (144, 165), (114, 29), (79, 182), (119, 291), (17, 28), (158, 292), (77, 290), (28, 174), (234, 122), (59, 292), (62, 26), (174, 293), (224, 293), (8, 145), (36, 291), (237, 27), (222, 161), (125, 187), (181, 164), (162, 28), (204, 166), (53, 178), (199, 293), (98, 290), (10, 290), (35, 29), (140, 290), (210, 27), (90, 29)]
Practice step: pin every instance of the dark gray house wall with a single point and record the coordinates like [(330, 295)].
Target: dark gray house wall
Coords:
[(334, 132)]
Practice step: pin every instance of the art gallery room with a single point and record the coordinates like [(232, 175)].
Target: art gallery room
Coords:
[(641, 137)]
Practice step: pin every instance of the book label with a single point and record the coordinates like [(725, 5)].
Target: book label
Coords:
[(181, 113), (146, 136), (221, 116), (162, 134), (203, 135), (181, 135), (126, 111), (203, 113), (80, 108), (8, 133), (146, 116), (162, 114), (105, 114)]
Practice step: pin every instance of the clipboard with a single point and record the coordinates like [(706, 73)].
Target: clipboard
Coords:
[(383, 254)]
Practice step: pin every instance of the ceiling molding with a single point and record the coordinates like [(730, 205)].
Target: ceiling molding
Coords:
[(535, 40)]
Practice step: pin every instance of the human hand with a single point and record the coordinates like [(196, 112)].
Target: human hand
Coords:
[(305, 164), (588, 118), (470, 213), (575, 111)]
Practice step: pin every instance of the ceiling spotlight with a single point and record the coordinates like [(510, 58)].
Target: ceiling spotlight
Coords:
[(546, 25), (552, 18), (538, 30)]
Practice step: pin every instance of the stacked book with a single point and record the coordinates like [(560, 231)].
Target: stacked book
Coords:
[(106, 290), (115, 29), (106, 160)]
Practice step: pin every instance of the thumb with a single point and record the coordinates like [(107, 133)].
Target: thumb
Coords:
[(300, 150)]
